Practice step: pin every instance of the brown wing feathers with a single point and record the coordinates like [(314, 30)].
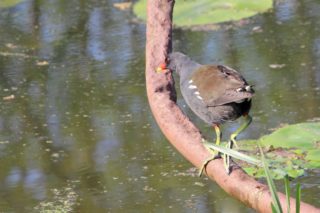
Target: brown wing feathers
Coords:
[(219, 85)]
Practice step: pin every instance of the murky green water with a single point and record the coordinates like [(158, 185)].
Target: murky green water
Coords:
[(76, 133)]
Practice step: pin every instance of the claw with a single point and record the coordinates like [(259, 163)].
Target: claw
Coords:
[(204, 165)]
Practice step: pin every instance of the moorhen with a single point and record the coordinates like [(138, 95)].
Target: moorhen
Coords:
[(215, 93)]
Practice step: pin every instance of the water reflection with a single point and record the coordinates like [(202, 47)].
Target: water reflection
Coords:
[(79, 127)]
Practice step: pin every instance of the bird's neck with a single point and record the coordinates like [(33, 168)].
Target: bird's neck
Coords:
[(183, 65)]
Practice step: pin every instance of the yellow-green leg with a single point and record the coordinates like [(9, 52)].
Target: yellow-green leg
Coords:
[(214, 153), (232, 141)]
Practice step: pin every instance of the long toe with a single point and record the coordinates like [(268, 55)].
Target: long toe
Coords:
[(215, 155), (233, 141), (204, 165)]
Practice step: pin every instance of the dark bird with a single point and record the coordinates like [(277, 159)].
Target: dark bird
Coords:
[(215, 93)]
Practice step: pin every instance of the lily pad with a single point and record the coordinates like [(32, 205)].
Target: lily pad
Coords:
[(313, 157), (202, 12), (303, 136), (9, 3), (290, 150)]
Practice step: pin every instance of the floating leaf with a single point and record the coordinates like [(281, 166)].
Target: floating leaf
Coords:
[(123, 5), (201, 12), (313, 158), (303, 136), (295, 172), (291, 150), (9, 3)]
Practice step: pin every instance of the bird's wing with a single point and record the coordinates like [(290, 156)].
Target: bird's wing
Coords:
[(219, 85), (228, 97)]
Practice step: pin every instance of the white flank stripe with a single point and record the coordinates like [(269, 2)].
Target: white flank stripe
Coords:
[(199, 97), (196, 93), (192, 87)]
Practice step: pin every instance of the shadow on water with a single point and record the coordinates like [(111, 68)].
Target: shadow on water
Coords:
[(76, 133)]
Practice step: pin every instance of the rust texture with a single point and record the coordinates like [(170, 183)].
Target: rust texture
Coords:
[(179, 130)]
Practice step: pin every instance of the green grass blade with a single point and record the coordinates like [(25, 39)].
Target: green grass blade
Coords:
[(298, 197), (272, 187), (232, 153), (287, 188), (273, 209)]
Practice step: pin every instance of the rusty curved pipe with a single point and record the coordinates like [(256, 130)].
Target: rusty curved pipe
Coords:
[(180, 131)]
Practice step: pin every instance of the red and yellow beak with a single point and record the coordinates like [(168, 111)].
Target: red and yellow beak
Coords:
[(162, 68)]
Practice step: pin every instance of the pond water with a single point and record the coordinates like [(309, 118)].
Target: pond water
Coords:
[(76, 132)]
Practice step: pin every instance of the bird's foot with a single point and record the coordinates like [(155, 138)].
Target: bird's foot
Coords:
[(204, 165), (233, 141), (215, 155)]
